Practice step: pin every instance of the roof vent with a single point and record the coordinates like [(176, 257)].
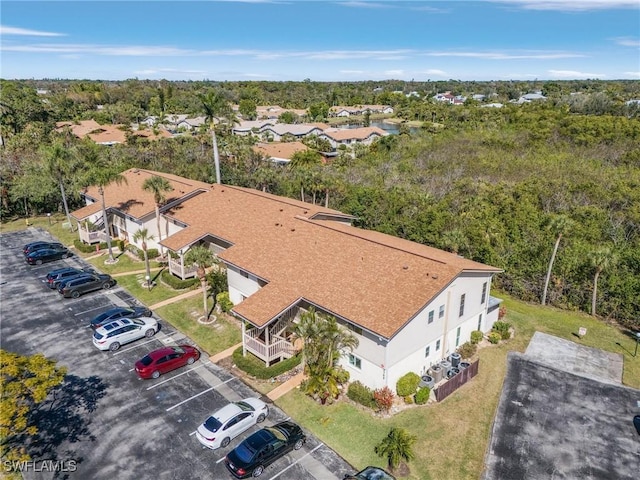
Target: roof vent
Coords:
[(282, 209), (293, 229), (305, 212), (405, 267), (434, 276), (277, 224)]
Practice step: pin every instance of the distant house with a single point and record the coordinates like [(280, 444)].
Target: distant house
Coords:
[(107, 134), (530, 97), (279, 152), (278, 131), (274, 111), (249, 127), (350, 136), (448, 97), (192, 123), (339, 111)]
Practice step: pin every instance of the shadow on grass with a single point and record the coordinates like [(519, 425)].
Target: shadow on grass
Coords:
[(157, 275), (64, 419)]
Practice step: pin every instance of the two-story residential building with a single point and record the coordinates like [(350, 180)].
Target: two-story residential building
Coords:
[(350, 136), (408, 304)]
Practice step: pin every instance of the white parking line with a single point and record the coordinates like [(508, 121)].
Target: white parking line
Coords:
[(90, 310), (175, 376), (221, 460), (133, 347), (192, 433), (288, 467), (198, 394)]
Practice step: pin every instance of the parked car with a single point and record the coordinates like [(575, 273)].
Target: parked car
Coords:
[(119, 312), (47, 254), (124, 330), (54, 277), (230, 421), (263, 448), (33, 246), (166, 359), (370, 473), (76, 286)]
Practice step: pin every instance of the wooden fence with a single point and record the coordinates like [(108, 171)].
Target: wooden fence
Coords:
[(454, 383)]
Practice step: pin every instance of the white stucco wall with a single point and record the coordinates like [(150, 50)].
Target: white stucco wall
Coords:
[(239, 285)]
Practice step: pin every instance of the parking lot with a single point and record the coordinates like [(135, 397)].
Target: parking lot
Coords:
[(107, 420)]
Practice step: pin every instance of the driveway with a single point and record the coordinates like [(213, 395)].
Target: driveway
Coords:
[(107, 423)]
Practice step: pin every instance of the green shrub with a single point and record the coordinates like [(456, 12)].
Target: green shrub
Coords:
[(408, 399), (407, 384), (151, 253), (361, 394), (223, 300), (494, 337), (476, 336), (422, 395), (86, 248), (467, 349), (120, 244), (136, 251), (342, 375), (177, 283), (503, 329), (256, 368)]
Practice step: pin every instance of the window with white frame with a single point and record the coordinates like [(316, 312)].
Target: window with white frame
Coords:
[(427, 351), (441, 311), (355, 361), (437, 345), (458, 336), (480, 322), (462, 298), (431, 315), (484, 293)]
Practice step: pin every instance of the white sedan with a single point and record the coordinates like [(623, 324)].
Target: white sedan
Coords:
[(230, 421), (124, 330)]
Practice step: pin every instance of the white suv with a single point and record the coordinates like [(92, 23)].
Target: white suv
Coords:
[(124, 330)]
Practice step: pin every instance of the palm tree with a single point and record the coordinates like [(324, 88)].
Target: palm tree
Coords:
[(215, 105), (143, 236), (158, 186), (102, 173), (601, 259), (396, 446), (203, 258), (301, 162), (560, 225), (58, 162)]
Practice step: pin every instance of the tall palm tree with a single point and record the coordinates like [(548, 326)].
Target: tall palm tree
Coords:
[(396, 446), (214, 106), (158, 186), (203, 258), (560, 225), (143, 236), (101, 173), (58, 161), (301, 163), (601, 259)]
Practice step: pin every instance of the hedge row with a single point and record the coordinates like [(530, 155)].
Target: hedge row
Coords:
[(256, 368), (86, 248), (176, 283)]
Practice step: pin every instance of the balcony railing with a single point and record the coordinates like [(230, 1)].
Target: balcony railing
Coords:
[(177, 268), (90, 237), (279, 349)]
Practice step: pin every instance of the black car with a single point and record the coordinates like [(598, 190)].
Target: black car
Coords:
[(47, 254), (76, 286), (119, 312), (370, 473), (263, 448), (33, 246), (54, 277)]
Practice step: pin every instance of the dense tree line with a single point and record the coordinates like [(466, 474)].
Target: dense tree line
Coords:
[(502, 186)]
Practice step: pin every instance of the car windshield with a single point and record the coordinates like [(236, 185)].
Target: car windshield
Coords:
[(212, 424), (245, 407), (178, 350), (245, 452), (277, 433), (373, 473), (146, 360), (97, 336), (137, 321)]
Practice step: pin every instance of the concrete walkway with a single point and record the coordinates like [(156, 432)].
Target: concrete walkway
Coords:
[(168, 301), (224, 354), (136, 272), (287, 386)]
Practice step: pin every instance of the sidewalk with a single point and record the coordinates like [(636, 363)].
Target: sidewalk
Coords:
[(189, 294), (287, 386), (136, 272), (224, 354)]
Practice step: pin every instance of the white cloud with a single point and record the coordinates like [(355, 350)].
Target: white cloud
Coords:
[(508, 56), (362, 4), (628, 42), (572, 74), (633, 74), (571, 5), (433, 71), (6, 30)]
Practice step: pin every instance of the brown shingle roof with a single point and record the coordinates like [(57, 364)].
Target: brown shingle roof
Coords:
[(280, 149), (130, 198), (374, 280), (354, 133)]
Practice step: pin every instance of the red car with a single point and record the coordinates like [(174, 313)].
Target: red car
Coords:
[(166, 359)]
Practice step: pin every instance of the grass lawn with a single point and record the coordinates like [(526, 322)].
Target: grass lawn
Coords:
[(160, 292), (52, 225), (124, 264), (213, 338), (452, 437)]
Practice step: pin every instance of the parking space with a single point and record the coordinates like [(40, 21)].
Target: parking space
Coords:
[(113, 424)]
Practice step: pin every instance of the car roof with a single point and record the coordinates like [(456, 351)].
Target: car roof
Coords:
[(161, 352), (226, 412)]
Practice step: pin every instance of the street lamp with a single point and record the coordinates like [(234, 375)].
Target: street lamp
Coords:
[(148, 279), (637, 342)]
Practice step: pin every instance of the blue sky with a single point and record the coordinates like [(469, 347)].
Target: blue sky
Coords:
[(327, 40)]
